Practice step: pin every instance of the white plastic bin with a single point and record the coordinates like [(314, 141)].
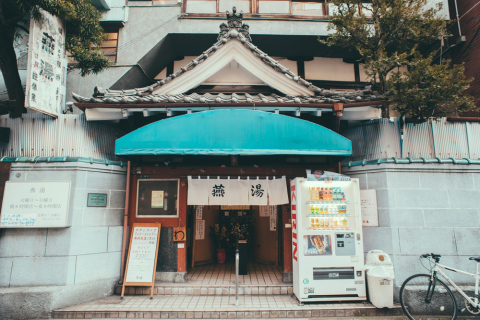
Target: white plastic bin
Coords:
[(380, 276)]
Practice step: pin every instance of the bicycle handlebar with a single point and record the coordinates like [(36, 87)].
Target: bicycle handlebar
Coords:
[(435, 257)]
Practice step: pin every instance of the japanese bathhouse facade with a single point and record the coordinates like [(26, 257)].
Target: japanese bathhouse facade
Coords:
[(190, 107), (231, 114)]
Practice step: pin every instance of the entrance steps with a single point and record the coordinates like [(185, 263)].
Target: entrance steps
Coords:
[(214, 307), (167, 288), (209, 293)]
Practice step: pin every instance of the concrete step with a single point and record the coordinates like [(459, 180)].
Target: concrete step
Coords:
[(211, 307), (208, 289)]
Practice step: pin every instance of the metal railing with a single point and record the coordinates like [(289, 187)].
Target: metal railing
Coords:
[(237, 266)]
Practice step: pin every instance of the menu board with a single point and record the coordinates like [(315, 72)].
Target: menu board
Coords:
[(142, 255), (35, 204)]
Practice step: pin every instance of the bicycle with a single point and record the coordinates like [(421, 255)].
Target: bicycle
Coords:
[(426, 295)]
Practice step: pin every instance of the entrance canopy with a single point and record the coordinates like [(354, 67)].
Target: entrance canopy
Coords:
[(243, 132)]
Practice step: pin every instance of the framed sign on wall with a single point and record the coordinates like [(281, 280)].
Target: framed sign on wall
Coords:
[(157, 198), (36, 204)]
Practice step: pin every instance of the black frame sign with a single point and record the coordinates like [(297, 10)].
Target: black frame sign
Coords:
[(97, 200), (157, 198)]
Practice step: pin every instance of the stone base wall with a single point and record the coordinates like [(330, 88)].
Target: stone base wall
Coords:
[(56, 267), (424, 208)]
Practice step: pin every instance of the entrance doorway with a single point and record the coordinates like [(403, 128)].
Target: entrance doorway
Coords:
[(217, 227)]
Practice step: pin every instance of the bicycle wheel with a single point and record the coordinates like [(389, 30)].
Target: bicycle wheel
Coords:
[(419, 301)]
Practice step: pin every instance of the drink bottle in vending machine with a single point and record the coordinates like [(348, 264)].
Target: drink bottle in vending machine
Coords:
[(327, 241)]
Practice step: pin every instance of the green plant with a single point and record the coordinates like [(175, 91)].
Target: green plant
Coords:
[(218, 235), (386, 35)]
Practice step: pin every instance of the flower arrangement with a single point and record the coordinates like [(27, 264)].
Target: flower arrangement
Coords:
[(218, 235), (239, 228)]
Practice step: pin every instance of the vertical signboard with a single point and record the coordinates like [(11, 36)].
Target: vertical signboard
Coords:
[(46, 70), (142, 256)]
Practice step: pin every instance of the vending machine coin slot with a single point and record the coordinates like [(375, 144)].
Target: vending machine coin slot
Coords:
[(345, 244)]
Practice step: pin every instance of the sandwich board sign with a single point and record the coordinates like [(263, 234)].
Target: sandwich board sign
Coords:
[(142, 256)]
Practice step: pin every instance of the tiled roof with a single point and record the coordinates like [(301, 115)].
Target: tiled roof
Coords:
[(234, 30), (135, 98)]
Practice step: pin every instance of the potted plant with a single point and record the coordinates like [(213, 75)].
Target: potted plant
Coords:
[(219, 237)]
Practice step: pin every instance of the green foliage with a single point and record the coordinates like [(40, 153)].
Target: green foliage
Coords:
[(429, 90), (83, 31), (386, 35), (218, 235)]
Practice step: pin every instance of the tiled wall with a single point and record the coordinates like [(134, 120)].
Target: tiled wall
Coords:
[(424, 208), (88, 251)]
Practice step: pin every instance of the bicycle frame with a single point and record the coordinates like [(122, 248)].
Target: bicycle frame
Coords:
[(437, 268)]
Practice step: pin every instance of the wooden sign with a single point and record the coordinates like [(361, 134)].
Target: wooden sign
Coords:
[(179, 234), (223, 207), (142, 256)]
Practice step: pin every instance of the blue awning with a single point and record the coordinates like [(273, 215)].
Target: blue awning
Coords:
[(243, 132)]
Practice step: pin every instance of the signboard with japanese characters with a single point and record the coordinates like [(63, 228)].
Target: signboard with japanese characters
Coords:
[(199, 212), (264, 211), (157, 199), (47, 64), (272, 210), (199, 229), (368, 204), (142, 256), (258, 192), (36, 204), (236, 192), (273, 223)]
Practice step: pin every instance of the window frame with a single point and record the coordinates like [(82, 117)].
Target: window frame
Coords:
[(254, 10)]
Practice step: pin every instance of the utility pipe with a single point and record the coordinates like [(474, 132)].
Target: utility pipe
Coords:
[(458, 20), (125, 223)]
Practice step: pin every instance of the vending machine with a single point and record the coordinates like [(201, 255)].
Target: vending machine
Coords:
[(327, 241)]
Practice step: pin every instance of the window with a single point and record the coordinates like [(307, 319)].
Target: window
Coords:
[(109, 46), (267, 7)]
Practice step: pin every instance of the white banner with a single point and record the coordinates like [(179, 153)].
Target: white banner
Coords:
[(197, 192), (277, 191), (238, 192), (258, 192), (218, 191)]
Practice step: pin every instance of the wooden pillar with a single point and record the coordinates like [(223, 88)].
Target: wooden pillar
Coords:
[(182, 222), (287, 239)]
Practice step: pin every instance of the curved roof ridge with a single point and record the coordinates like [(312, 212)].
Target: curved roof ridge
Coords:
[(234, 29)]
